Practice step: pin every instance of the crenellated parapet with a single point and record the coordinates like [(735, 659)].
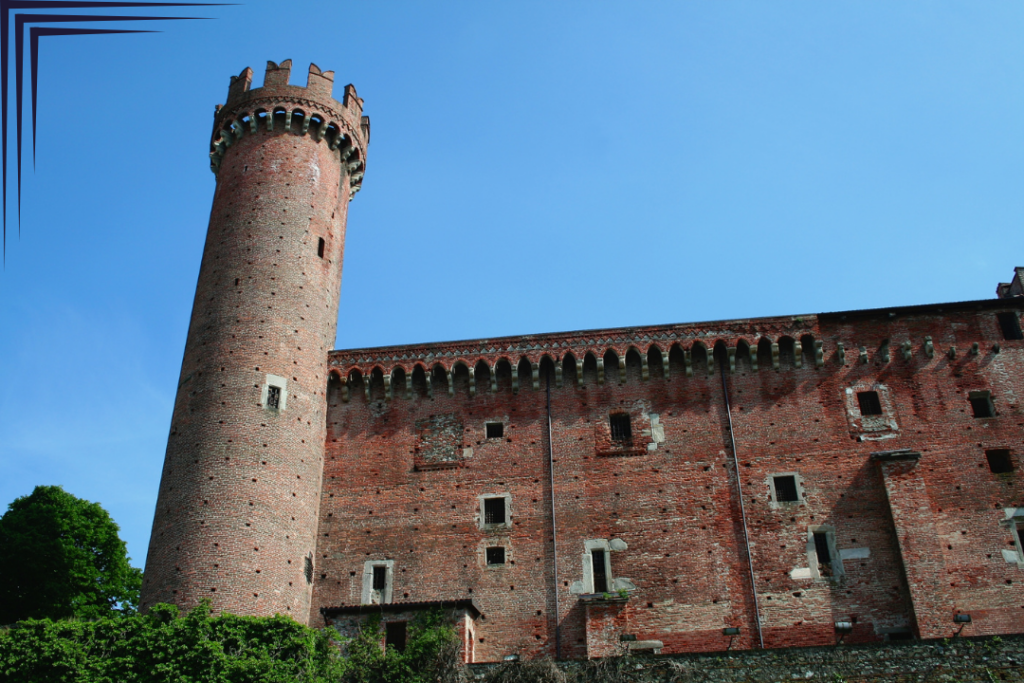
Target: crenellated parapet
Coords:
[(278, 107), (668, 353)]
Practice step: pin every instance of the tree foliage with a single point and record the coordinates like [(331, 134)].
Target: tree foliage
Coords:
[(162, 646), (431, 655), (61, 557)]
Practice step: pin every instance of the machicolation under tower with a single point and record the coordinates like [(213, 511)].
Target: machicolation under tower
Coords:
[(237, 511)]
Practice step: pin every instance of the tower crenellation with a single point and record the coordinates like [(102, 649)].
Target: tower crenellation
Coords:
[(310, 110)]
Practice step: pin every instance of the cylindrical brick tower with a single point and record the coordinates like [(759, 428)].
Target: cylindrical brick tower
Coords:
[(236, 516)]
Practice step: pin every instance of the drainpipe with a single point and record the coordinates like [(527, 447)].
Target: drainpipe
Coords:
[(554, 526), (743, 513)]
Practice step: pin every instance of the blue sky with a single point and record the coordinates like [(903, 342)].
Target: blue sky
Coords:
[(534, 167)]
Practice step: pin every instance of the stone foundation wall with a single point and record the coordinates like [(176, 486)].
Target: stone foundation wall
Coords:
[(964, 660)]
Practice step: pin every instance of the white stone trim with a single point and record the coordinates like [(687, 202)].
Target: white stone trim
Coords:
[(276, 381), (369, 595)]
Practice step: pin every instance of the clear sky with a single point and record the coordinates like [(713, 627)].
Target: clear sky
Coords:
[(534, 167)]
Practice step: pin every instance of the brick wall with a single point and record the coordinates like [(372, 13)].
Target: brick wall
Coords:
[(913, 541), (237, 509)]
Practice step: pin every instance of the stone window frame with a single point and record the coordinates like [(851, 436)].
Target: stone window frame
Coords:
[(495, 542), (588, 564), (368, 593), (481, 520), (869, 424), (801, 496), (281, 383), (1014, 523), (838, 572)]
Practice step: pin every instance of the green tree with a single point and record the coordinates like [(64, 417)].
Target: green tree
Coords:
[(163, 646), (61, 557)]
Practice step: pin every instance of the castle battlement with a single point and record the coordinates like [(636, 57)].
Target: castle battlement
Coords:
[(310, 110)]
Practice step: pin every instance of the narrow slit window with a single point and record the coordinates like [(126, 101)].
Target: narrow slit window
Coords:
[(785, 489), (981, 404), (395, 635), (237, 280), (495, 430), (380, 578), (495, 556), (622, 430), (869, 403), (309, 569), (600, 571), (494, 510), (320, 248), (999, 460), (273, 397), (1009, 323), (821, 547)]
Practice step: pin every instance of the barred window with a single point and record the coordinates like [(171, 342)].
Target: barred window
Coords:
[(273, 397), (380, 578), (495, 555), (622, 430), (785, 489), (494, 510), (869, 403)]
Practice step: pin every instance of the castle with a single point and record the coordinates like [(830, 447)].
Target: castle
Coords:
[(769, 482)]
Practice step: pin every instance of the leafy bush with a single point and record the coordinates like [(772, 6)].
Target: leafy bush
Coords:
[(164, 646), (431, 653)]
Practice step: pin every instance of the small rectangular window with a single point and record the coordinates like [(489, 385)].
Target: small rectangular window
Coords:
[(495, 430), (320, 248), (380, 578), (273, 397), (981, 403), (785, 489), (494, 510), (869, 403), (395, 634), (999, 460), (1009, 323), (495, 555), (821, 547), (597, 558), (622, 430)]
